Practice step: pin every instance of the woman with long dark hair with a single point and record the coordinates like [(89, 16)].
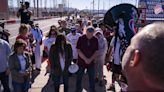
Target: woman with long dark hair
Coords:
[(60, 57)]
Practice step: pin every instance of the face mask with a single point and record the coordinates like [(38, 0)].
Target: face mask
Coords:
[(73, 30)]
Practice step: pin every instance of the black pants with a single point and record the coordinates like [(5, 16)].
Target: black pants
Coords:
[(5, 81)]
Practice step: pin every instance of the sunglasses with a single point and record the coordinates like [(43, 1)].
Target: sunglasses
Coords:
[(90, 30)]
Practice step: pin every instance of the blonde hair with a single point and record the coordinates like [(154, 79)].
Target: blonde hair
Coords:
[(23, 28)]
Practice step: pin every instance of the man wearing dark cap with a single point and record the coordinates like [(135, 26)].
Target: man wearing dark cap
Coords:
[(73, 37), (87, 47), (24, 13)]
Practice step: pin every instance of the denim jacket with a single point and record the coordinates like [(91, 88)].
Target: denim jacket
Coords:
[(15, 67)]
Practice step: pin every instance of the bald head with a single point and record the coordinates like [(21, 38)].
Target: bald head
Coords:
[(149, 62)]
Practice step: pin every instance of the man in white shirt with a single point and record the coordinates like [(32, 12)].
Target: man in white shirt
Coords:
[(73, 38)]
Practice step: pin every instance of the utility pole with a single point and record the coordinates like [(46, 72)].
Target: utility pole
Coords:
[(45, 6), (54, 5), (90, 7), (40, 3), (98, 7), (34, 11), (93, 5), (37, 9), (68, 7), (41, 7), (103, 5)]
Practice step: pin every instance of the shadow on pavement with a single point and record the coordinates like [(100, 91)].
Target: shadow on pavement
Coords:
[(49, 87)]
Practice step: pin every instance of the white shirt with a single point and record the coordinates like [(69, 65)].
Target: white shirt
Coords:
[(117, 51), (22, 62), (48, 42), (62, 61), (73, 40)]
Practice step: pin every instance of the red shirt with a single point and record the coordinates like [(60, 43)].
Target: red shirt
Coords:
[(88, 47), (23, 38)]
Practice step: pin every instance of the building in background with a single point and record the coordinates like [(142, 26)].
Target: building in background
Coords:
[(154, 10)]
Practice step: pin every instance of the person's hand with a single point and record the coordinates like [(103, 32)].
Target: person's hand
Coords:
[(88, 61), (7, 71)]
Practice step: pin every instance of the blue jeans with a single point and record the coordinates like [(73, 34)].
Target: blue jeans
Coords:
[(91, 75), (5, 81), (56, 80), (21, 87)]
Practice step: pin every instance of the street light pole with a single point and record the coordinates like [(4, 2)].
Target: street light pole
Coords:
[(98, 7), (37, 8), (93, 5), (34, 7)]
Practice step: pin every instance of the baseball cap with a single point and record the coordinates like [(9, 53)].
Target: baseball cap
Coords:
[(73, 29), (90, 29)]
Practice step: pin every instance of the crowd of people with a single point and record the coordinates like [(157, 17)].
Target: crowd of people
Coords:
[(90, 45), (63, 46)]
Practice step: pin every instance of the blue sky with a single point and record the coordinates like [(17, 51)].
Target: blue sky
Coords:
[(106, 4), (84, 4)]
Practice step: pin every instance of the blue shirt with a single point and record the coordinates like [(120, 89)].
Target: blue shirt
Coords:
[(36, 32), (5, 51)]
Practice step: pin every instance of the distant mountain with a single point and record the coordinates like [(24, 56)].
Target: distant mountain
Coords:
[(95, 11)]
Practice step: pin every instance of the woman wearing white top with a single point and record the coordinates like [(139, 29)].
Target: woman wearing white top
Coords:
[(51, 38), (19, 63), (100, 60), (60, 57)]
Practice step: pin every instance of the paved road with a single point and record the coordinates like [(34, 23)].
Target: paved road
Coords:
[(41, 83), (44, 25)]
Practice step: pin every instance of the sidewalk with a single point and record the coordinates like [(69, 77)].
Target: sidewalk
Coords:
[(40, 83), (41, 80)]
